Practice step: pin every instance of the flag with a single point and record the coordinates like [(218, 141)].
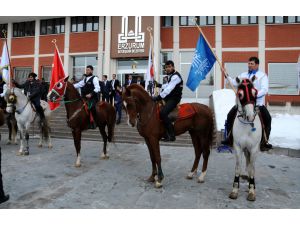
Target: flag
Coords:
[(150, 70), (57, 74), (4, 65), (299, 74), (203, 61)]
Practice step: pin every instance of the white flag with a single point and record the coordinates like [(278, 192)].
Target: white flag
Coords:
[(4, 65), (299, 74), (150, 70)]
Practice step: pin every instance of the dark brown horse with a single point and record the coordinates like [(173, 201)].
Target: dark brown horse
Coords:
[(78, 116), (142, 111)]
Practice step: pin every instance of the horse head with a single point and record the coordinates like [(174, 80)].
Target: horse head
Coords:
[(129, 102), (246, 98), (58, 90), (11, 99)]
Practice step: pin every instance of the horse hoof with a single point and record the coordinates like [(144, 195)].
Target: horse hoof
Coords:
[(19, 153), (77, 165), (26, 152), (151, 179), (40, 145), (8, 142), (158, 184), (50, 146), (233, 195), (251, 197), (200, 180), (190, 176)]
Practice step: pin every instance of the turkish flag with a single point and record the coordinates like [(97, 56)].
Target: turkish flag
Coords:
[(57, 74)]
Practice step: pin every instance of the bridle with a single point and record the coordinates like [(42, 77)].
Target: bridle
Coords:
[(12, 100)]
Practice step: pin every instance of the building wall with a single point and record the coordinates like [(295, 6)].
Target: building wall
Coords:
[(22, 46), (240, 36), (46, 45), (166, 37), (84, 42), (188, 36)]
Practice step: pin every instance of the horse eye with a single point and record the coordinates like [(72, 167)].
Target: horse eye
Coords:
[(59, 85), (241, 94)]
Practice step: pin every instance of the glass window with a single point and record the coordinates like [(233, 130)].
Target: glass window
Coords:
[(165, 56), (95, 23), (183, 21), (210, 20), (3, 27), (233, 19), (270, 19), (167, 21), (191, 20), (283, 78), (202, 20), (291, 19), (80, 63), (73, 24), (84, 23), (49, 26), (278, 19), (89, 23), (244, 19), (21, 73), (43, 27), (24, 29), (225, 19), (253, 19), (53, 26), (46, 73), (80, 24), (298, 19)]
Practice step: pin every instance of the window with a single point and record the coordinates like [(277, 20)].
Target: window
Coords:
[(21, 74), (3, 27), (84, 23), (80, 63), (234, 69), (283, 78), (201, 20), (164, 56), (24, 29), (234, 20), (167, 21), (282, 19), (52, 26), (46, 73)]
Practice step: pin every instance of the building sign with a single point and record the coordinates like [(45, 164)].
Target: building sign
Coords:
[(130, 37)]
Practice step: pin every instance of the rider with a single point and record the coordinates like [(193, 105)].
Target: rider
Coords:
[(3, 88), (32, 89), (261, 83), (171, 94), (90, 90)]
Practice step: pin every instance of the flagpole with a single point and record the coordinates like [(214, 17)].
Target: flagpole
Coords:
[(152, 55), (220, 64), (10, 69)]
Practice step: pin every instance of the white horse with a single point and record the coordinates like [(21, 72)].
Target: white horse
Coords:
[(247, 133), (26, 116)]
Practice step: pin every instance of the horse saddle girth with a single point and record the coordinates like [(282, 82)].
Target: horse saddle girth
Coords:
[(182, 111)]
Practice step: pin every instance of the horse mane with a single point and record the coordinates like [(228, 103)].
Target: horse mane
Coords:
[(73, 90), (139, 92)]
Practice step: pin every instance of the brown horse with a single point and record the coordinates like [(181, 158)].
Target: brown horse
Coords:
[(78, 116), (142, 111)]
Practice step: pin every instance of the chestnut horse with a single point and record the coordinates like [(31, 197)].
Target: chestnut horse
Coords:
[(78, 117), (142, 111)]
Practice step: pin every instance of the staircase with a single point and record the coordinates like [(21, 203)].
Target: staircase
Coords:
[(123, 133)]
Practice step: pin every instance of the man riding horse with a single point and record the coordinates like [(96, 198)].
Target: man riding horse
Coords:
[(32, 89), (171, 94), (261, 83), (90, 90)]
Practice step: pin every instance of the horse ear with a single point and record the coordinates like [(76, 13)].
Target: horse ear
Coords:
[(66, 79), (253, 78), (237, 80)]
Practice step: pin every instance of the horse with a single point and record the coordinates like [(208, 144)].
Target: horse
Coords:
[(78, 115), (143, 112), (11, 123), (26, 115), (247, 134)]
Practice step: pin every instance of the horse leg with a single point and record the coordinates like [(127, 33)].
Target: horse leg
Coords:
[(251, 173), (197, 155), (9, 130), (14, 130), (205, 146), (41, 138), (26, 152), (49, 141), (104, 154), (20, 152), (236, 182), (154, 142), (154, 169), (77, 141)]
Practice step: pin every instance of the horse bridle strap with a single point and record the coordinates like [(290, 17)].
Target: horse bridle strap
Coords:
[(19, 111)]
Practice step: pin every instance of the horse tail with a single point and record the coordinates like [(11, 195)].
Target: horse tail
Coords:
[(45, 130), (111, 123), (211, 136)]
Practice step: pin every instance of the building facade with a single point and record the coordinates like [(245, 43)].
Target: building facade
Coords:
[(120, 45)]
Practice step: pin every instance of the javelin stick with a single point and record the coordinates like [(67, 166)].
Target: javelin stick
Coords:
[(219, 62)]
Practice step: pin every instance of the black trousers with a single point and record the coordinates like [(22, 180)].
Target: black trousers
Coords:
[(105, 97), (118, 107), (37, 104), (112, 96), (267, 119), (1, 182), (167, 108)]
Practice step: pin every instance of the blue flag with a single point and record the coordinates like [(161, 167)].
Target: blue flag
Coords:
[(203, 61)]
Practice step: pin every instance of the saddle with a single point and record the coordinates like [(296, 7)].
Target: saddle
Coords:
[(182, 111)]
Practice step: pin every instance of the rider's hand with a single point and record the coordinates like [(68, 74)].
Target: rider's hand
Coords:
[(88, 96), (156, 98)]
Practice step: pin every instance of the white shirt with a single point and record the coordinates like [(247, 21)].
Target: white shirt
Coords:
[(168, 87), (261, 83), (4, 90), (113, 84), (81, 83)]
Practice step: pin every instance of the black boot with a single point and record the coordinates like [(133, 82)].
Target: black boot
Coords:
[(4, 198), (170, 133)]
